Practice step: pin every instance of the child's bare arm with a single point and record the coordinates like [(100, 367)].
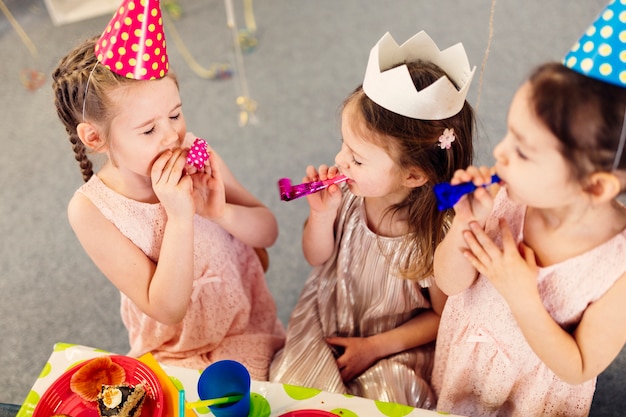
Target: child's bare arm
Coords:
[(318, 236), (420, 330), (453, 272), (360, 353), (163, 294), (590, 349), (232, 206), (574, 357)]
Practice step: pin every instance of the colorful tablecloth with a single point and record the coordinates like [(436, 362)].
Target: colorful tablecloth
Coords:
[(281, 398)]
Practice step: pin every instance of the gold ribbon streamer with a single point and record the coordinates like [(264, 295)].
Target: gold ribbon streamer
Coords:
[(32, 79), (23, 36), (484, 63), (247, 106), (202, 72), (249, 16)]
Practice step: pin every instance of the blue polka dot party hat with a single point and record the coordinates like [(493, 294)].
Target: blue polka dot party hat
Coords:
[(601, 51)]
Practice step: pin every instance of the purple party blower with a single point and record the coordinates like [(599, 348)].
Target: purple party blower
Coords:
[(289, 192), (448, 195)]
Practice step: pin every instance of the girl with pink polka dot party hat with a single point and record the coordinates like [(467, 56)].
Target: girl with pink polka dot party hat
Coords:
[(166, 224), (535, 271)]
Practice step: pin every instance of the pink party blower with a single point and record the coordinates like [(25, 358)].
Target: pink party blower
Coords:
[(290, 192)]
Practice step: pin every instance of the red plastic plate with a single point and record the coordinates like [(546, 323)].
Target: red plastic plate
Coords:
[(59, 398)]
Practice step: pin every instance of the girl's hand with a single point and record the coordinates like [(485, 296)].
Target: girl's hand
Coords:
[(171, 186), (209, 192), (318, 236), (511, 270), (476, 205), (358, 355), (328, 199)]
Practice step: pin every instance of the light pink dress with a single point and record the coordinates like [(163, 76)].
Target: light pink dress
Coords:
[(231, 313), (483, 364), (358, 292)]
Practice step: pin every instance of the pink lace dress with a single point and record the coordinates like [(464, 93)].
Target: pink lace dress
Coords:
[(358, 292), (231, 313), (483, 365)]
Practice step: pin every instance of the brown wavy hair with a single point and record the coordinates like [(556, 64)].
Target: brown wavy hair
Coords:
[(415, 143)]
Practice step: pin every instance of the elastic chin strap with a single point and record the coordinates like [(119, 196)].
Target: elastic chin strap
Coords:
[(620, 147), (87, 88)]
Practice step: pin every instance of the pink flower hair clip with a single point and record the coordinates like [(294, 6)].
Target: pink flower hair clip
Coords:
[(446, 139)]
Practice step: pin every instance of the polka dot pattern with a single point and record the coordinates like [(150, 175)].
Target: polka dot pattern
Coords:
[(266, 398), (600, 52), (197, 154), (133, 44)]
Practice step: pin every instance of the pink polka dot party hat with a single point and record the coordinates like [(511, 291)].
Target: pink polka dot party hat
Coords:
[(600, 53), (133, 43)]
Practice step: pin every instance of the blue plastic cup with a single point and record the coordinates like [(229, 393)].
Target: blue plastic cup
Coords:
[(226, 378)]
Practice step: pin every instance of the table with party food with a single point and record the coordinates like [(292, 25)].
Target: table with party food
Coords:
[(169, 388)]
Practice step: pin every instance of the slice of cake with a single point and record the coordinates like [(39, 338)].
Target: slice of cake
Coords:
[(121, 400)]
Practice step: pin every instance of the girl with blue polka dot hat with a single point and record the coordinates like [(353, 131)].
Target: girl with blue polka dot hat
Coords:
[(534, 267)]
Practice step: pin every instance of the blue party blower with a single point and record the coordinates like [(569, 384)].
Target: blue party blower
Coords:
[(447, 195)]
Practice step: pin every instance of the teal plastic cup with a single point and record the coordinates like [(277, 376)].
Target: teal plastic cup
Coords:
[(226, 378)]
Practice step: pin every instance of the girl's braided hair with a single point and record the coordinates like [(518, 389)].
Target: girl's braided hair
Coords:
[(80, 86)]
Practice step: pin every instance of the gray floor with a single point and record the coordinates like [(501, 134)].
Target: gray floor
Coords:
[(311, 54)]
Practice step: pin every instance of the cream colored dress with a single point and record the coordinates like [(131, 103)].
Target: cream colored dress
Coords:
[(231, 313), (483, 364), (358, 292)]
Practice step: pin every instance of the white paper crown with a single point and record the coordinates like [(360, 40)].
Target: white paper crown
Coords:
[(389, 84)]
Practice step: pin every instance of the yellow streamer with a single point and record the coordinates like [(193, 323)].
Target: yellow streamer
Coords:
[(249, 16)]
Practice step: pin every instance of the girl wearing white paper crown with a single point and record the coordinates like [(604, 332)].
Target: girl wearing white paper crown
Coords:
[(535, 271), (368, 314), (173, 237)]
